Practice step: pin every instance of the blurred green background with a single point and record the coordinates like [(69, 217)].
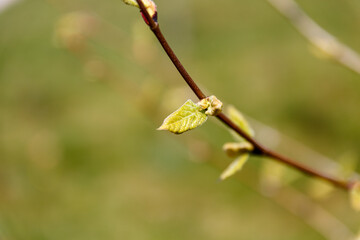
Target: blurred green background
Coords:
[(84, 85)]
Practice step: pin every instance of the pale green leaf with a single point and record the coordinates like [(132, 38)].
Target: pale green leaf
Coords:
[(131, 2), (238, 148), (240, 120), (355, 196), (235, 166), (187, 117)]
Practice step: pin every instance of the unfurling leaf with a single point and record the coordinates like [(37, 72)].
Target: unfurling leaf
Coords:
[(131, 2), (235, 166), (241, 149), (355, 196), (239, 120), (187, 117), (212, 105), (237, 148), (149, 5)]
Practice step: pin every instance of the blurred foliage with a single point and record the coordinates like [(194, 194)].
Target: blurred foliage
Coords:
[(79, 154)]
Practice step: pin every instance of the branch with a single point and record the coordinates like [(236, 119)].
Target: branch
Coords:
[(316, 35), (258, 148)]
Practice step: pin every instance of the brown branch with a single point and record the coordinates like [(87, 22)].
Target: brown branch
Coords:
[(258, 148)]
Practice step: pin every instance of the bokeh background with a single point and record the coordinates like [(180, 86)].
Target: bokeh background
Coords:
[(84, 85)]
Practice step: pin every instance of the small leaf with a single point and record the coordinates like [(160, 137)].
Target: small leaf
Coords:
[(355, 196), (238, 148), (187, 117), (240, 120), (131, 2), (235, 166)]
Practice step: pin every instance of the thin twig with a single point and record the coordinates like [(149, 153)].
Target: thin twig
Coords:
[(316, 35), (258, 148), (321, 222)]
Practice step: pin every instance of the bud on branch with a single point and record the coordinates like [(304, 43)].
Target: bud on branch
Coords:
[(191, 115), (150, 8)]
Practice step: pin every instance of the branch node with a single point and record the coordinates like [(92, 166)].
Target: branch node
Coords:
[(212, 105)]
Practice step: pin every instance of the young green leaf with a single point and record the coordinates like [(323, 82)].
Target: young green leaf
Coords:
[(355, 196), (235, 149), (240, 120), (131, 2), (235, 166), (187, 117)]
